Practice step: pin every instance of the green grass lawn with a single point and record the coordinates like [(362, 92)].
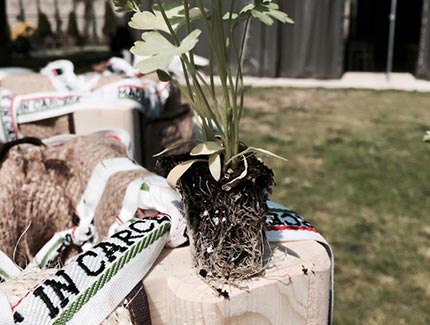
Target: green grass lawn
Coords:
[(359, 171)]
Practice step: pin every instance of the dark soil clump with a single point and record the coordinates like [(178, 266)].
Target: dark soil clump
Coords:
[(225, 220)]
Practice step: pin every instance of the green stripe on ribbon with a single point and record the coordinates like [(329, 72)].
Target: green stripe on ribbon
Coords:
[(55, 246), (4, 275), (107, 276)]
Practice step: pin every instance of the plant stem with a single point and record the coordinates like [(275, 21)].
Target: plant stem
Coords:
[(188, 25), (229, 94), (177, 43), (220, 64), (239, 76), (191, 68), (233, 86)]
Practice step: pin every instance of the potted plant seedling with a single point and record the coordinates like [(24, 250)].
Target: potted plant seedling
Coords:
[(223, 185)]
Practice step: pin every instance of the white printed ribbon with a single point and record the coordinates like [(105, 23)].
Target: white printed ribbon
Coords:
[(85, 234), (116, 134), (153, 195), (8, 123), (8, 269), (117, 65), (89, 288), (87, 206), (144, 95), (39, 106), (6, 316), (63, 78), (283, 224), (93, 283)]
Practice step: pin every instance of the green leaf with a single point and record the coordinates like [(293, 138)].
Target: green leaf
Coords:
[(278, 14), (176, 173), (163, 75), (145, 187), (247, 8), (263, 17), (256, 150), (232, 16), (206, 148), (266, 152), (175, 145), (154, 20), (215, 166), (148, 20), (126, 5), (160, 50), (266, 11)]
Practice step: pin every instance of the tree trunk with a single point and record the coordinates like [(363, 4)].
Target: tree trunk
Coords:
[(4, 36)]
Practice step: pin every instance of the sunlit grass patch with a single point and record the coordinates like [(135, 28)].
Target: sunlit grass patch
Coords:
[(359, 171)]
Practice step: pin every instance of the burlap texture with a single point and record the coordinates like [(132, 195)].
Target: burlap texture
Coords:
[(171, 126), (35, 82), (158, 135), (49, 127), (41, 186), (23, 84)]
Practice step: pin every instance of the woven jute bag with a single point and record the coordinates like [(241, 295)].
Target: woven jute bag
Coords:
[(36, 82), (152, 135), (39, 190), (41, 186)]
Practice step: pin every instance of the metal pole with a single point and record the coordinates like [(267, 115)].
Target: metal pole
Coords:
[(392, 32)]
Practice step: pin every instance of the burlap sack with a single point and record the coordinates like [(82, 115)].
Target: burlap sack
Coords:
[(36, 82), (151, 135), (49, 127), (41, 186), (26, 83), (159, 134)]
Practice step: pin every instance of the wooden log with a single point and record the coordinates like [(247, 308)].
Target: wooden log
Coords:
[(294, 290)]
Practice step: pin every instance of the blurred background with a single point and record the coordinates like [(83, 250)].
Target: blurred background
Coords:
[(329, 37)]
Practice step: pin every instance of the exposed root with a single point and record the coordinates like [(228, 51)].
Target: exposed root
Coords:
[(15, 249), (226, 228)]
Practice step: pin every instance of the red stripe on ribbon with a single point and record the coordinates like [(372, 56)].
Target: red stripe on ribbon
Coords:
[(12, 116), (20, 300), (50, 97), (115, 137), (280, 228)]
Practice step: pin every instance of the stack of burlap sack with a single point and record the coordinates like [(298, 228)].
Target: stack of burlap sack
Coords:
[(41, 185), (152, 112)]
